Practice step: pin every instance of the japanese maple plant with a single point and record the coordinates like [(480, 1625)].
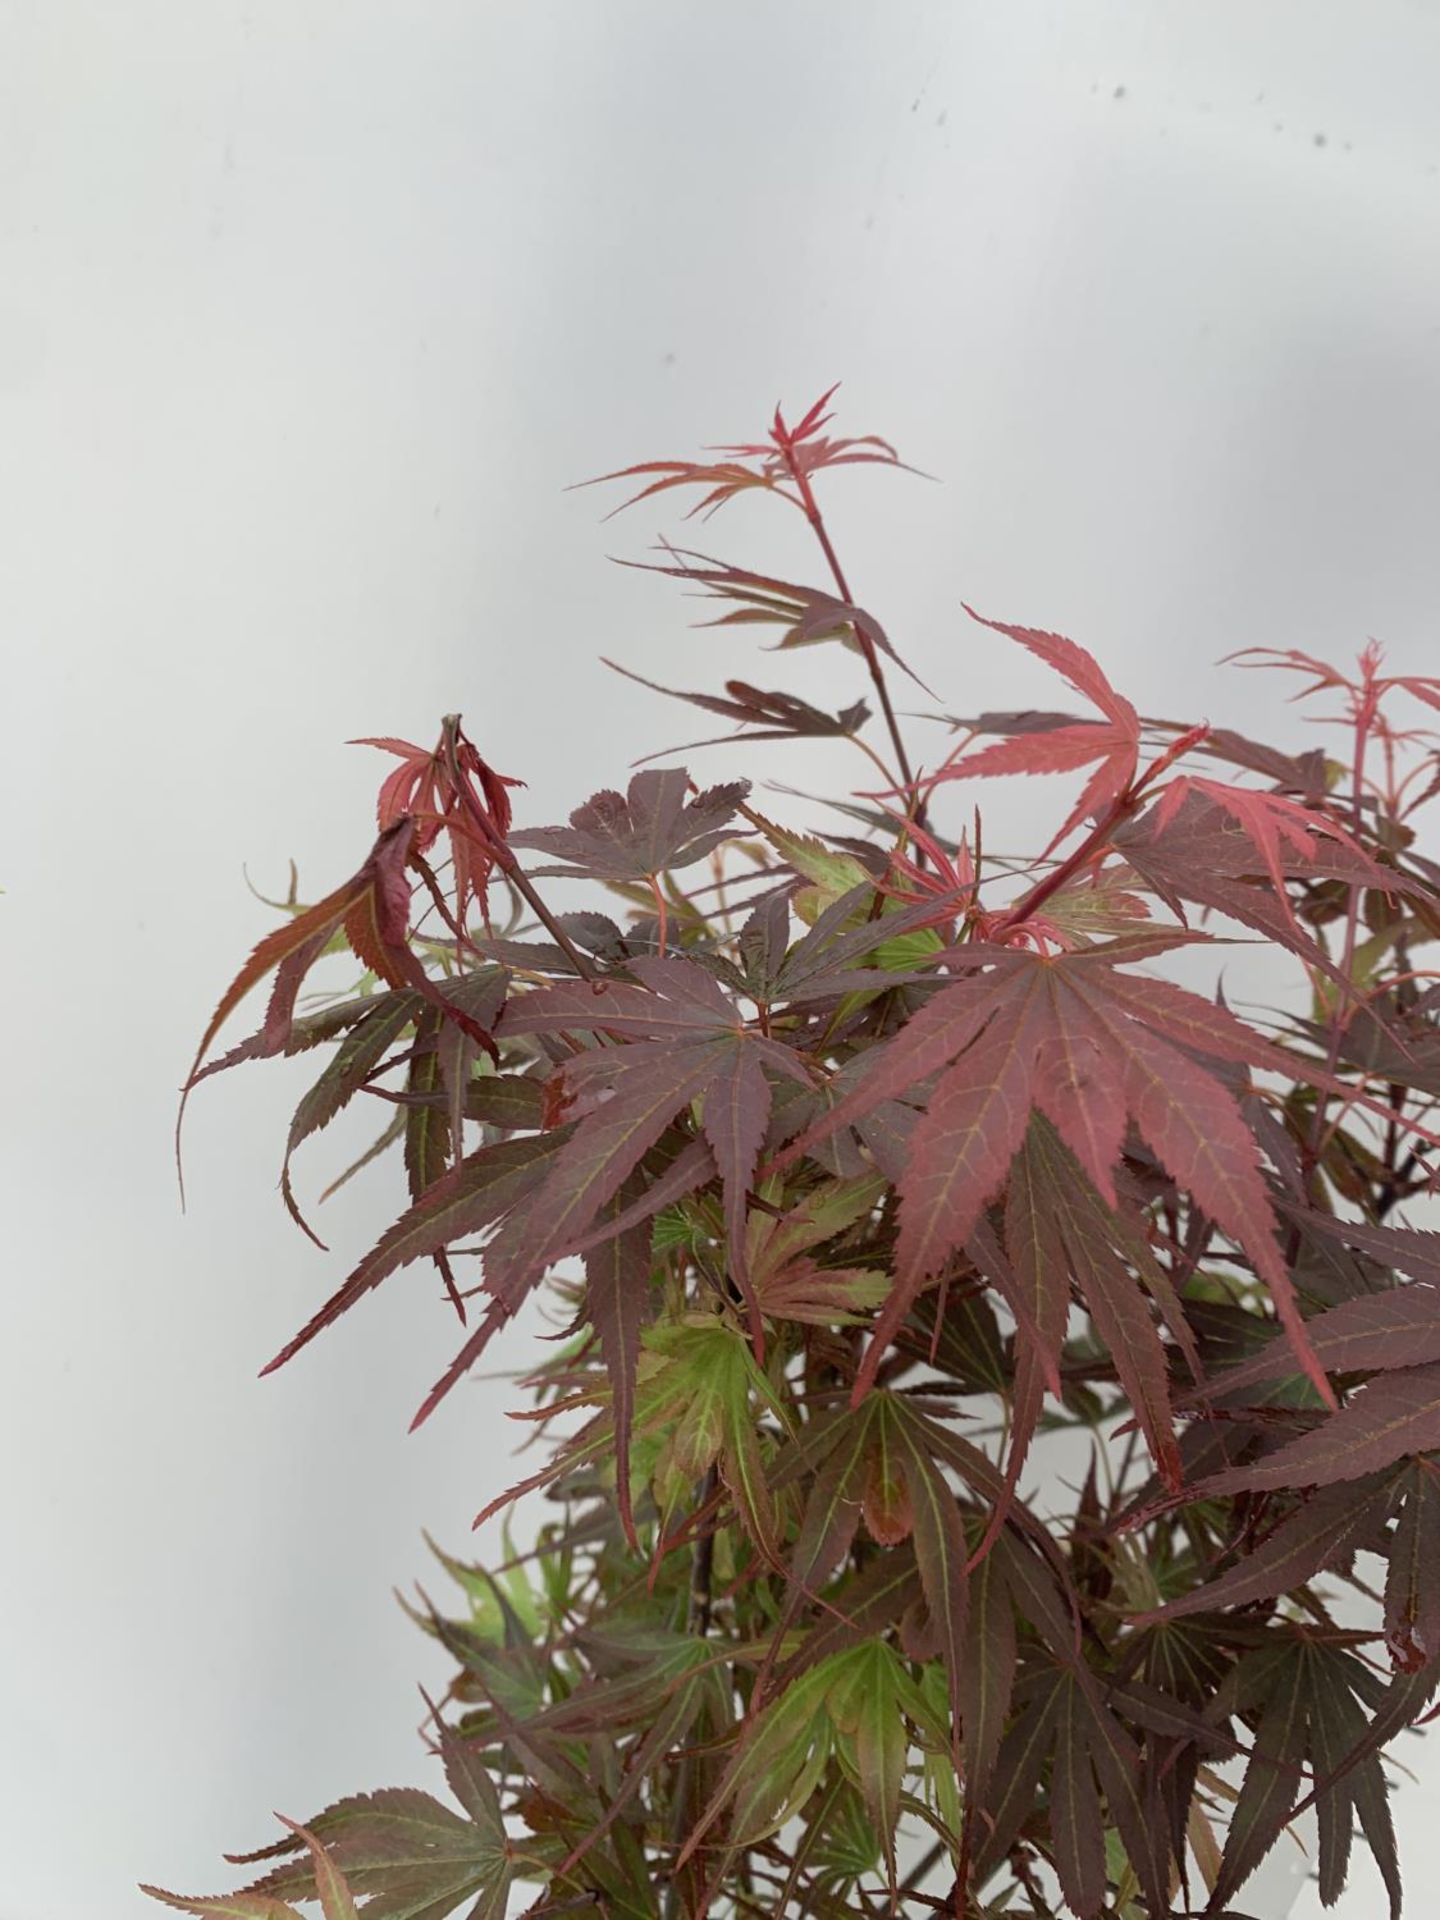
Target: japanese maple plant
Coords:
[(865, 1173)]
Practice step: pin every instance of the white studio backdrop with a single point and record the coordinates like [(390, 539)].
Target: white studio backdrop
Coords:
[(308, 311)]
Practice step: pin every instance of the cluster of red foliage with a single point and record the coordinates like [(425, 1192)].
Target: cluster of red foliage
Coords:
[(861, 1164)]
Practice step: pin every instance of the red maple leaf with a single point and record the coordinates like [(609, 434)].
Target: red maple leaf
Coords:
[(1114, 741), (1094, 1050), (1273, 824)]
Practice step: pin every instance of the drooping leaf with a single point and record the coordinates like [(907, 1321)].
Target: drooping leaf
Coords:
[(372, 911), (1412, 1583), (428, 1125), (837, 1450), (359, 1053), (299, 943), (1111, 1293), (987, 1670), (941, 1550), (1077, 1825), (617, 1282), (449, 788), (1015, 1788), (484, 1187), (867, 1708), (805, 615), (1066, 1724)]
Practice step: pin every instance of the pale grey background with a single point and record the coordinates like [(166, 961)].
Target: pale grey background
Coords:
[(307, 313)]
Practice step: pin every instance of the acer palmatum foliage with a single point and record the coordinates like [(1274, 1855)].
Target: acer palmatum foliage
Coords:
[(857, 1166)]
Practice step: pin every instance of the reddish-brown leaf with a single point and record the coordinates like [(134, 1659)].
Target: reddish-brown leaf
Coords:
[(1396, 1415), (617, 1286), (1412, 1584), (1276, 827), (941, 1553), (359, 1053), (1272, 1781), (1114, 742), (1317, 1535), (759, 715), (228, 1906), (1113, 1297), (649, 830), (1077, 1826), (481, 1190), (961, 1151), (1017, 1003), (297, 945), (687, 1043), (987, 1670), (735, 1117), (1375, 1332)]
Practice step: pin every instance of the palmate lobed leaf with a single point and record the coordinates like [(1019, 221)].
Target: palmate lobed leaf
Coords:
[(400, 1850), (688, 1044), (820, 1296), (1204, 857), (1066, 1732), (322, 1881), (652, 828), (1130, 1044), (1276, 827), (854, 1703), (1311, 1701), (1114, 741), (700, 1386)]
